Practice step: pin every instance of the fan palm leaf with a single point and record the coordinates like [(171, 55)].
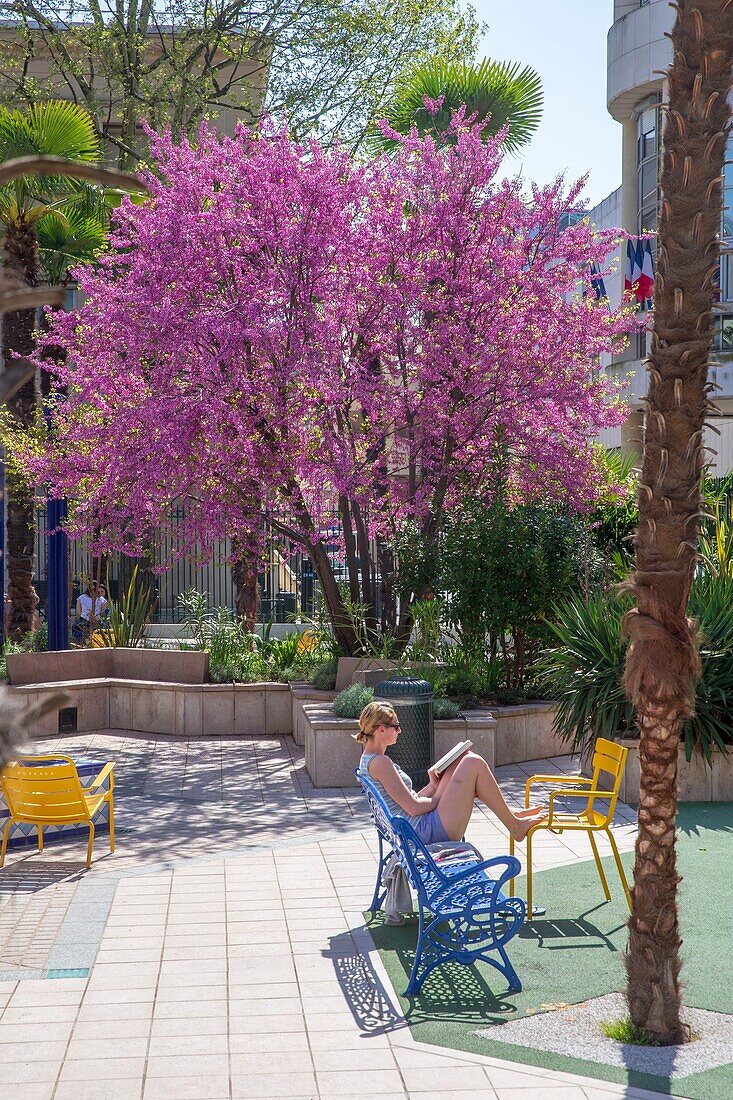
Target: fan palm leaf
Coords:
[(499, 93)]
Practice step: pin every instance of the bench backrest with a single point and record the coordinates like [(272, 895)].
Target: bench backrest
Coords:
[(44, 789), (416, 860)]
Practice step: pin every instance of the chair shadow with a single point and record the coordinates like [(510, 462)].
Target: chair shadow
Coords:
[(563, 933), (30, 874)]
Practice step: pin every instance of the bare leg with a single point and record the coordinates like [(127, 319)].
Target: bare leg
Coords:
[(472, 778)]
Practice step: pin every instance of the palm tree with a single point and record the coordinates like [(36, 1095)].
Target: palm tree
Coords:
[(663, 661), (56, 129), (499, 93)]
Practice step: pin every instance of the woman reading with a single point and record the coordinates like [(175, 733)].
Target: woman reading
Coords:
[(442, 809)]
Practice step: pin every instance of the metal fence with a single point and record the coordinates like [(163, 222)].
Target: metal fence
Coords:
[(289, 588)]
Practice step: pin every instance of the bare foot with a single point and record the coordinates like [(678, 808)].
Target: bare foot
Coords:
[(524, 824), (530, 811)]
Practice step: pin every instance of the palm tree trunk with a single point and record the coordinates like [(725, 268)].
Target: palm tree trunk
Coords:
[(21, 256), (663, 661)]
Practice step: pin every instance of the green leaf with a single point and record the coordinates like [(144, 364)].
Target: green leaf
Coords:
[(499, 92)]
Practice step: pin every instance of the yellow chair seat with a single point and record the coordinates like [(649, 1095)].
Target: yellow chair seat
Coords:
[(46, 790), (608, 758)]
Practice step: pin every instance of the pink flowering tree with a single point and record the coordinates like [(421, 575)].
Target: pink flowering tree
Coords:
[(280, 330)]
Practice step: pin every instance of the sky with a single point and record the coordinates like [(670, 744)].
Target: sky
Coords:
[(565, 41)]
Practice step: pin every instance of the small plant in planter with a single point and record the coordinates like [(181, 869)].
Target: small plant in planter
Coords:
[(351, 702), (445, 709), (323, 677)]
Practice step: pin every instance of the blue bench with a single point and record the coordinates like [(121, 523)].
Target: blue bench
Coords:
[(464, 915)]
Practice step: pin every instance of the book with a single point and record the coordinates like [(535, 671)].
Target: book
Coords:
[(445, 761)]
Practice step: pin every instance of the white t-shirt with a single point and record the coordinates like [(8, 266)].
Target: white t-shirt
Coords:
[(86, 605)]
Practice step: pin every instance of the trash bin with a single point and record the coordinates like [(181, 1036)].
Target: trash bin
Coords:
[(415, 748)]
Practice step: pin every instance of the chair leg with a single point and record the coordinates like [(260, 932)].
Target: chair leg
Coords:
[(40, 837), (619, 866), (529, 875), (511, 853), (90, 845), (6, 838), (111, 802), (599, 865)]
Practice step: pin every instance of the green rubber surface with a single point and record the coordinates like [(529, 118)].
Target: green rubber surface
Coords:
[(575, 953)]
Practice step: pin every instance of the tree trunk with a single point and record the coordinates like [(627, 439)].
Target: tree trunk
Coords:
[(21, 256), (247, 590), (663, 661)]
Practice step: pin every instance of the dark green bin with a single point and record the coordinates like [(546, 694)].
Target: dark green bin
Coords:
[(415, 748)]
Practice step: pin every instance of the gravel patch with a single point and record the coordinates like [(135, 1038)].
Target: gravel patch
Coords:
[(575, 1031)]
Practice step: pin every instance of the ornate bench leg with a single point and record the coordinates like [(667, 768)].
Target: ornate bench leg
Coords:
[(427, 956)]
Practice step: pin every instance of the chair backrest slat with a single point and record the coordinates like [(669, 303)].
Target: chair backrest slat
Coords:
[(38, 790), (400, 834), (609, 758)]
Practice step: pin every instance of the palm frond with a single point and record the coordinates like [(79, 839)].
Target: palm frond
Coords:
[(54, 128), (65, 243), (499, 93)]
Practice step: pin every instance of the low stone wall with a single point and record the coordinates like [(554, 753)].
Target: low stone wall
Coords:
[(186, 710), (331, 753), (525, 732), (171, 666), (697, 781)]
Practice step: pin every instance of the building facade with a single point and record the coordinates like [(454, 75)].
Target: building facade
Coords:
[(638, 55)]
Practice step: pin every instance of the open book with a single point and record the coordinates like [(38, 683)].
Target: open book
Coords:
[(445, 761)]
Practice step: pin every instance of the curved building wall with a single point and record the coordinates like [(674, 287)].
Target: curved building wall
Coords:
[(638, 55)]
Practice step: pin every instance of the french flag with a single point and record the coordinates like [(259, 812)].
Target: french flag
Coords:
[(639, 275)]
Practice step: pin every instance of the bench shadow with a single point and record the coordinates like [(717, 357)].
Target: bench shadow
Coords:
[(363, 990), (452, 993)]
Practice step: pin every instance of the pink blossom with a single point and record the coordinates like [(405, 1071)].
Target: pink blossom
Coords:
[(279, 327)]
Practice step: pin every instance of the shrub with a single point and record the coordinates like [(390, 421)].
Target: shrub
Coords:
[(444, 709), (243, 668), (584, 667), (502, 569), (323, 677), (351, 702)]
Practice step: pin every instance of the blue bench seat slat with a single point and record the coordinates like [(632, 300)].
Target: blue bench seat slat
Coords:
[(463, 913)]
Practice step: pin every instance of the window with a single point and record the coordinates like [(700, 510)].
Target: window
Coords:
[(647, 160)]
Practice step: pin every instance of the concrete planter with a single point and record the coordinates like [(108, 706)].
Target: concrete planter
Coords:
[(331, 753), (173, 666), (301, 693), (185, 710), (348, 667), (525, 732), (697, 781)]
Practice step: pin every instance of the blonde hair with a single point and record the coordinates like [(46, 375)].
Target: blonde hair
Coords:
[(372, 717)]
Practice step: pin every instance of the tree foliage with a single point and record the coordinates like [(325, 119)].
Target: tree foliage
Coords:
[(497, 93), (328, 65), (283, 329), (502, 570)]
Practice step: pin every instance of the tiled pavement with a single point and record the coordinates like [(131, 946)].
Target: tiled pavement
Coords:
[(227, 952)]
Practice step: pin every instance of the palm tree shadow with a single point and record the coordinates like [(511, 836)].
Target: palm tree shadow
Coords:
[(712, 816)]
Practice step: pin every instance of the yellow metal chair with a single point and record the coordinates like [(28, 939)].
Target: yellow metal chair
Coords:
[(46, 790), (607, 757)]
